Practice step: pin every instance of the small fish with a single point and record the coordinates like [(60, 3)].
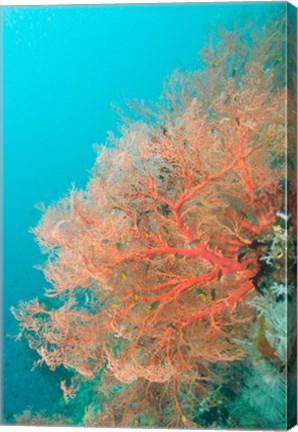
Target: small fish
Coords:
[(216, 63), (146, 234), (194, 242), (213, 294), (177, 256), (202, 297), (152, 306), (202, 203), (105, 241), (219, 275), (235, 70), (114, 306), (212, 100), (119, 246), (237, 121), (279, 59), (124, 275), (199, 291), (136, 297)]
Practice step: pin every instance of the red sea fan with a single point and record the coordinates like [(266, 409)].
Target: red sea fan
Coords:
[(153, 263)]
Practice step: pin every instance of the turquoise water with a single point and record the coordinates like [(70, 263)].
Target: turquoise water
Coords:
[(63, 67)]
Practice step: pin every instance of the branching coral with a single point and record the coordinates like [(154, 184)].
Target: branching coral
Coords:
[(265, 394), (153, 264), (267, 397)]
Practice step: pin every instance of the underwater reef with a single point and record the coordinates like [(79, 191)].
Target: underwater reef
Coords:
[(168, 304)]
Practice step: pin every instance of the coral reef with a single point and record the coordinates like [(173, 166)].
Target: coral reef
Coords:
[(157, 267), (271, 359)]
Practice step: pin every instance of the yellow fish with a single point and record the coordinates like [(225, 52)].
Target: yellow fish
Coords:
[(152, 307), (124, 275)]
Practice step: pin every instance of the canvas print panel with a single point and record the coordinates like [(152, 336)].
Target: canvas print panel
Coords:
[(166, 293)]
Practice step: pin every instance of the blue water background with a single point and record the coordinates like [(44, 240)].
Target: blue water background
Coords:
[(62, 69)]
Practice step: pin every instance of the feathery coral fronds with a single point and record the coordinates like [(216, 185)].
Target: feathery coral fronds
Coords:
[(155, 261)]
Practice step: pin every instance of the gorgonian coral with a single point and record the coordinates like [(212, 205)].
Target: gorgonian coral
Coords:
[(153, 263)]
